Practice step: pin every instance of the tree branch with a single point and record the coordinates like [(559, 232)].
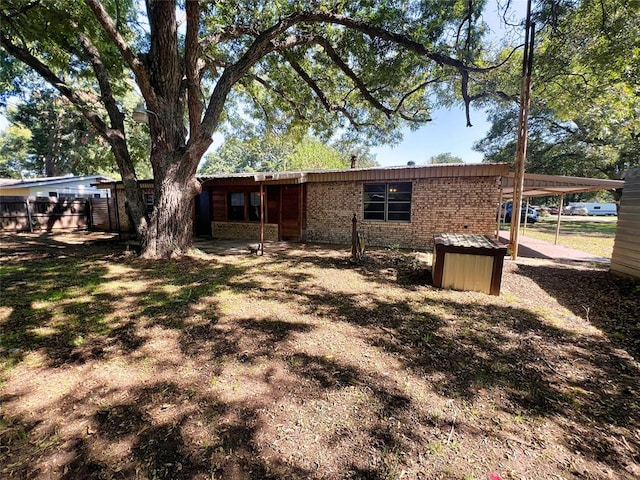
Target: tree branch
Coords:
[(320, 94), (138, 68), (263, 44), (116, 134), (45, 72), (116, 116), (335, 58), (280, 92), (194, 103), (230, 33), (411, 92)]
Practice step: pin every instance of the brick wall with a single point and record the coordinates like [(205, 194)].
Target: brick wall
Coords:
[(448, 204), (242, 230)]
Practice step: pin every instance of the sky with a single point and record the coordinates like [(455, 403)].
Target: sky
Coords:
[(446, 133)]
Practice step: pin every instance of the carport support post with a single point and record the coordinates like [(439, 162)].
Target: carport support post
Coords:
[(523, 123), (559, 215), (526, 212)]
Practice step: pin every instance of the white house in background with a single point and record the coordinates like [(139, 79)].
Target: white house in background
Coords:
[(60, 187)]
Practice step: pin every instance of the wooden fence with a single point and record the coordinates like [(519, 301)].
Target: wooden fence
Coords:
[(103, 215), (31, 214)]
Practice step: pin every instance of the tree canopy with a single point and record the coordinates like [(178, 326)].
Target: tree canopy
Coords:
[(585, 112), (446, 157), (272, 153), (48, 137), (362, 68)]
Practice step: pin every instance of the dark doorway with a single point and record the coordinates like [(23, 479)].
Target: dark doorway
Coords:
[(203, 214)]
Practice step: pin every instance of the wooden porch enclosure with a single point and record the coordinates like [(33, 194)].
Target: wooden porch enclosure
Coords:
[(234, 206)]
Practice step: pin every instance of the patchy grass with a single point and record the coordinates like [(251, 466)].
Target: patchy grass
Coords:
[(301, 365), (589, 235)]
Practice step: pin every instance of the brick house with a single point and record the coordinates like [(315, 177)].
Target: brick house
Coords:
[(401, 206)]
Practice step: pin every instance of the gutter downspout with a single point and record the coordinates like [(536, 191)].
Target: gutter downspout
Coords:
[(559, 216)]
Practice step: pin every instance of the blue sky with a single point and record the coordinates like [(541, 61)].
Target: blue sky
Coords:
[(447, 132)]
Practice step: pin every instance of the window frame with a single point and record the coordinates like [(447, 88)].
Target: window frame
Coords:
[(149, 202), (402, 189), (248, 208)]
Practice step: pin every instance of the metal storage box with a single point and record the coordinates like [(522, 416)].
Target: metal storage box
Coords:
[(468, 262)]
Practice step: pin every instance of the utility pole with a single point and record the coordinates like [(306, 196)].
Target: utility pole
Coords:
[(523, 124)]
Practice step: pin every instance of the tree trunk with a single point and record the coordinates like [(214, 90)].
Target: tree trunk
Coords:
[(170, 229)]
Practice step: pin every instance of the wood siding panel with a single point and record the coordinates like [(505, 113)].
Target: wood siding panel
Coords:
[(625, 259), (219, 201), (291, 225), (273, 204)]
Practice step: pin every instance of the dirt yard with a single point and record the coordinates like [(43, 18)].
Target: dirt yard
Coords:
[(301, 365)]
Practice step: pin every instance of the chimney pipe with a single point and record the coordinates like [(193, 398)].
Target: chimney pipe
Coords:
[(353, 161)]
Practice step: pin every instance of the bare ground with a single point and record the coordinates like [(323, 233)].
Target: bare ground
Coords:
[(301, 365)]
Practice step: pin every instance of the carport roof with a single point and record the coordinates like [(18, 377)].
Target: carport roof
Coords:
[(537, 185)]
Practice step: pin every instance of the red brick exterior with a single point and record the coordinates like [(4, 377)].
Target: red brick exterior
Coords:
[(244, 230), (438, 205)]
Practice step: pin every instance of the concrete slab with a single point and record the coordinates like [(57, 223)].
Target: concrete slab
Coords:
[(533, 248)]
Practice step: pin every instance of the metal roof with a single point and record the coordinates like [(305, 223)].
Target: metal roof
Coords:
[(363, 174), (45, 181), (537, 185)]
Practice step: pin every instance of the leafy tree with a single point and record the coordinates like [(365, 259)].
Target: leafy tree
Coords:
[(585, 115), (14, 148), (60, 141), (273, 153), (446, 157), (365, 68)]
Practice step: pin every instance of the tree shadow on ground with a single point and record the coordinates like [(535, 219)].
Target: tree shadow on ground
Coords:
[(180, 422), (84, 305), (512, 349), (607, 301)]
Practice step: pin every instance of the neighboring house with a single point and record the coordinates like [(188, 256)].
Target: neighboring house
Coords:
[(625, 259), (120, 219), (49, 203), (60, 187)]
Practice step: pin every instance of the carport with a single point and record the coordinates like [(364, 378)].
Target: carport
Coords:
[(538, 185)]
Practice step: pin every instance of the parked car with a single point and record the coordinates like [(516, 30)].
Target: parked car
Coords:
[(553, 209), (575, 210), (531, 214)]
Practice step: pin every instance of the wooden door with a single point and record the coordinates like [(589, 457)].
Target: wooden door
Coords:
[(291, 212)]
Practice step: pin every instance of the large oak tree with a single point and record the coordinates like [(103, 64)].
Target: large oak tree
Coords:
[(361, 66)]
